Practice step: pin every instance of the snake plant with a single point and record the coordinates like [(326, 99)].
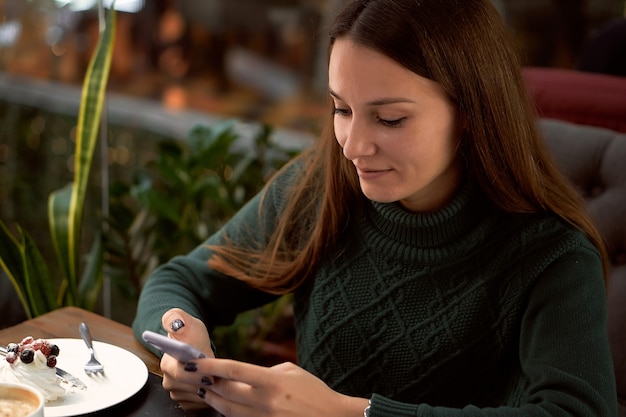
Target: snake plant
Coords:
[(20, 258)]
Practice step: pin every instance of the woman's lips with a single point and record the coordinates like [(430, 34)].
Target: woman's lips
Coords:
[(371, 174)]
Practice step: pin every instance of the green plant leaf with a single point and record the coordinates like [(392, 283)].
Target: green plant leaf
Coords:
[(24, 265), (202, 137), (91, 282), (66, 205), (12, 264), (161, 205), (39, 286), (58, 215), (241, 168)]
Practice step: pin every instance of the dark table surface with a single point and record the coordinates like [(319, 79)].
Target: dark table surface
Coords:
[(152, 400)]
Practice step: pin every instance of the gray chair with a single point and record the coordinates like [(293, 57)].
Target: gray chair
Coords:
[(594, 159)]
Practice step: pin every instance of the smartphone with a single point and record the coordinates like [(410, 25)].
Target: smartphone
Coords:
[(175, 348)]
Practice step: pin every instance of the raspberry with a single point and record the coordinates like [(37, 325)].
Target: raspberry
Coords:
[(36, 344), (11, 357), (27, 355), (27, 340), (43, 346)]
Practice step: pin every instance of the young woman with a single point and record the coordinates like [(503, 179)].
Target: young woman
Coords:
[(440, 264)]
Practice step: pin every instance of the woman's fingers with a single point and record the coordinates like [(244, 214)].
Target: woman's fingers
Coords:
[(188, 401), (236, 381), (184, 394), (187, 395), (247, 373), (189, 387), (184, 327), (241, 389), (227, 406)]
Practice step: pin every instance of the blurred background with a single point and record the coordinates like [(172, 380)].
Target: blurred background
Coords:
[(177, 63), (252, 59)]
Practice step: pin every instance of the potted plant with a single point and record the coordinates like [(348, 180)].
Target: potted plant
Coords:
[(20, 258), (178, 200)]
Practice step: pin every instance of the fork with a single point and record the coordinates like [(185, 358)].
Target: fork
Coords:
[(93, 366)]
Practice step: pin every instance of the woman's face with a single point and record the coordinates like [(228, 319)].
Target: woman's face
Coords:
[(400, 130)]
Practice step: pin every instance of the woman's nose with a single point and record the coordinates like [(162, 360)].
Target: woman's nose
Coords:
[(357, 141)]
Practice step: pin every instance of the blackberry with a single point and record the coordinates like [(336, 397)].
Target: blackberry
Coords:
[(54, 350), (51, 361), (27, 355), (11, 357)]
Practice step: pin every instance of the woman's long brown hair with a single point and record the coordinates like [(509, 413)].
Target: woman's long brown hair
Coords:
[(464, 46)]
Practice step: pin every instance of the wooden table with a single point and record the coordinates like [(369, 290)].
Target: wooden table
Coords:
[(63, 323)]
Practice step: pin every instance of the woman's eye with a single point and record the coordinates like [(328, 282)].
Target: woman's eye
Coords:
[(391, 123), (341, 112)]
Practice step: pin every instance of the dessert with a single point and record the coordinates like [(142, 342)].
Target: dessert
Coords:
[(33, 362)]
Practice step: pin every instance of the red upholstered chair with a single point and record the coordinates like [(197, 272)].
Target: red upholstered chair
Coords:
[(580, 97)]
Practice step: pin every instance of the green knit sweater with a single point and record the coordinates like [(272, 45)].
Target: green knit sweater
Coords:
[(467, 311)]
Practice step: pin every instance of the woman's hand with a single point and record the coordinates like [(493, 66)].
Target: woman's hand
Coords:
[(186, 328), (240, 389)]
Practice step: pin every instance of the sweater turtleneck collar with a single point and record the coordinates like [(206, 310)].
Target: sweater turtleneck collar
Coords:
[(432, 229)]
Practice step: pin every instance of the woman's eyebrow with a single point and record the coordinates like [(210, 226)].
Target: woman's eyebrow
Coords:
[(377, 102), (390, 100)]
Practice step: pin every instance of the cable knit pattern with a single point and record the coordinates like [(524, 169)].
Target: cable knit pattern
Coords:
[(406, 301), (428, 308), (467, 311)]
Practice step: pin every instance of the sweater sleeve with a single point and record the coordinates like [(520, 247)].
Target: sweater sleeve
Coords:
[(564, 351), (187, 282)]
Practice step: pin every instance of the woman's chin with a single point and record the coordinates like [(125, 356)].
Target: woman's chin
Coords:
[(379, 196)]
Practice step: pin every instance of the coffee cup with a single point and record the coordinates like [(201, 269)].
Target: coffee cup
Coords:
[(20, 400)]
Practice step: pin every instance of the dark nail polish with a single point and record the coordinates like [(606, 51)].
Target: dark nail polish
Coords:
[(177, 324), (191, 367), (201, 392), (206, 381)]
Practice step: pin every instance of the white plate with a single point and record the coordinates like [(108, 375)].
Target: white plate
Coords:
[(124, 375)]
